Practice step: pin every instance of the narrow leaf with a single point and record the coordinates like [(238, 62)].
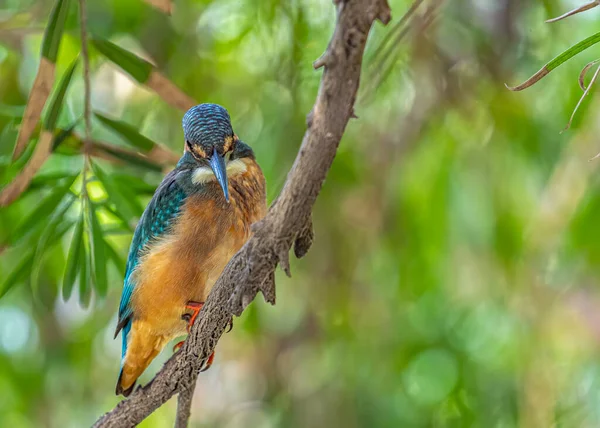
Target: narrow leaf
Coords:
[(137, 67), (577, 10), (139, 186), (145, 73), (124, 224), (560, 59), (51, 179), (26, 265), (85, 290), (583, 73), (48, 237), (54, 30), (127, 209), (45, 75), (59, 96), (7, 141), (21, 181), (169, 92), (41, 211), (116, 153), (42, 85), (97, 246), (128, 132), (13, 168), (73, 259), (17, 274), (585, 93), (63, 135)]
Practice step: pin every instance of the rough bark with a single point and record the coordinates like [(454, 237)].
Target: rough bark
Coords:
[(287, 223)]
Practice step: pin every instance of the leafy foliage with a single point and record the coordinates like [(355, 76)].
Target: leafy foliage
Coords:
[(453, 277)]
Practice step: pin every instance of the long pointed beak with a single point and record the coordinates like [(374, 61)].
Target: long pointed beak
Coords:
[(217, 164)]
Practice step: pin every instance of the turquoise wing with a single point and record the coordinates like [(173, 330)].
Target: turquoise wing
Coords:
[(159, 215)]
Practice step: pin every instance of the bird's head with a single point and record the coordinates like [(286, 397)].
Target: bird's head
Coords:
[(210, 140)]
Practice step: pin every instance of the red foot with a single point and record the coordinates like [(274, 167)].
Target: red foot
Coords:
[(178, 345), (195, 307), (208, 362)]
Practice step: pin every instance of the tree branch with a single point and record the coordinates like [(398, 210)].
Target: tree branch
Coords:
[(286, 223), (184, 407)]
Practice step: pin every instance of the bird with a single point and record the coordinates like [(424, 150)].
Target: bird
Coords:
[(198, 218)]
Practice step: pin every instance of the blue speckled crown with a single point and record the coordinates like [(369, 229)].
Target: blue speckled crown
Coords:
[(206, 123)]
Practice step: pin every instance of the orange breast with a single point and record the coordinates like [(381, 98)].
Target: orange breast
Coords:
[(185, 265)]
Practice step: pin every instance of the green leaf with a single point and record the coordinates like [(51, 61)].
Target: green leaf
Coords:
[(8, 138), (128, 132), (41, 211), (85, 290), (139, 186), (138, 68), (125, 206), (63, 135), (17, 274), (48, 237), (26, 264), (96, 239), (15, 167), (560, 59), (73, 259), (132, 159), (54, 30), (58, 99), (12, 111), (106, 205), (51, 179)]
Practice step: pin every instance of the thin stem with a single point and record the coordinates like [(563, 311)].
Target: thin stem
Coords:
[(184, 406), (87, 109)]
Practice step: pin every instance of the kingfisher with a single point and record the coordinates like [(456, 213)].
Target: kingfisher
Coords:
[(198, 218)]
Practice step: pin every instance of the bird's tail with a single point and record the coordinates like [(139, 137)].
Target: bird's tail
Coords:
[(142, 348), (120, 389)]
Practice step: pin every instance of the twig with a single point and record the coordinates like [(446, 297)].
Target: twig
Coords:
[(252, 268), (585, 93), (21, 182), (184, 407), (388, 53), (87, 110), (398, 30), (575, 11)]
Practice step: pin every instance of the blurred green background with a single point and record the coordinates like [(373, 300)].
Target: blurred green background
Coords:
[(454, 276)]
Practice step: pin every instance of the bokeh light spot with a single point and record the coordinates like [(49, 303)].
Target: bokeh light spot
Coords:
[(430, 376), (15, 329)]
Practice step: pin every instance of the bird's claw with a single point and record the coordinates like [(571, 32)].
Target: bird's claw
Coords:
[(190, 318), (178, 346), (230, 325), (208, 362), (196, 307)]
